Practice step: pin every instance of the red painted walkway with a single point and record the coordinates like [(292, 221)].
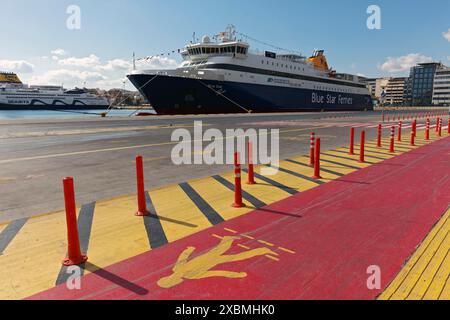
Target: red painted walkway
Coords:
[(376, 216)]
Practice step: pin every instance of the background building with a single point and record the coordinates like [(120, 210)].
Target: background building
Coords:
[(441, 86), (395, 91), (371, 85), (376, 86), (422, 81)]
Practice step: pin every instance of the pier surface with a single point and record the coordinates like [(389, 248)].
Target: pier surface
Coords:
[(366, 210), (315, 245), (99, 153)]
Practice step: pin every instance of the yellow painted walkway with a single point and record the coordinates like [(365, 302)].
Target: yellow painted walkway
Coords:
[(31, 250), (426, 276)]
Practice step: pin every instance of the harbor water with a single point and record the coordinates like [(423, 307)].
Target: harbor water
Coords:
[(45, 114)]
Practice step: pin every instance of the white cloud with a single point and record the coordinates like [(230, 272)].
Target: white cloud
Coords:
[(19, 66), (115, 83), (124, 65), (85, 62), (116, 64), (95, 72), (59, 52), (447, 35), (403, 63), (157, 63), (93, 62), (70, 78)]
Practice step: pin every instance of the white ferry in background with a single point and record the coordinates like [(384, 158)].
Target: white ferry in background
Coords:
[(14, 95), (223, 76)]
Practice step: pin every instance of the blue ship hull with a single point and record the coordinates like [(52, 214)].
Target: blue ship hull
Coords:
[(176, 95)]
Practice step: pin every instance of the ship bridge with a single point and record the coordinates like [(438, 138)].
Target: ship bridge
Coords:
[(206, 49)]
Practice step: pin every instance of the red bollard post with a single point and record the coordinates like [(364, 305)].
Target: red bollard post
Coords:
[(142, 203), (317, 161), (448, 128), (440, 128), (362, 146), (74, 255), (352, 141), (237, 183), (379, 136), (412, 138), (437, 124), (399, 137), (311, 152), (251, 172), (427, 130), (392, 148), (414, 127)]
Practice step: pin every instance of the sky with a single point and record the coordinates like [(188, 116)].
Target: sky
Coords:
[(38, 44)]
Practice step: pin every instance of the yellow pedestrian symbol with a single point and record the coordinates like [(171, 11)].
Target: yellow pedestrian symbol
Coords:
[(201, 267)]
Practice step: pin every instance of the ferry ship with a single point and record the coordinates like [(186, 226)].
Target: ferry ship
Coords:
[(224, 76), (14, 95)]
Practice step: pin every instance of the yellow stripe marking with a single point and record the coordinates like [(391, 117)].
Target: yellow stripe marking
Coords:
[(348, 162), (266, 243), (264, 192), (243, 247), (308, 172), (116, 233), (183, 210), (288, 180), (217, 236), (248, 237), (77, 153), (437, 287), (93, 131), (32, 260), (218, 197), (430, 269), (286, 250), (230, 230), (272, 257), (333, 167), (426, 273)]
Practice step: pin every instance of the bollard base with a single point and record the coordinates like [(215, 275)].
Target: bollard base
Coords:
[(237, 205), (251, 183), (317, 177), (142, 214), (74, 262)]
